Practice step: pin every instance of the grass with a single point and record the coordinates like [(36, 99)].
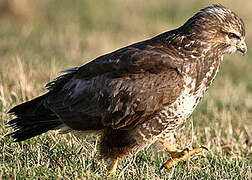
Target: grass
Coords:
[(39, 39)]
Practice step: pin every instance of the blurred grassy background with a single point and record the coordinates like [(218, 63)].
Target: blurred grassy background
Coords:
[(41, 38)]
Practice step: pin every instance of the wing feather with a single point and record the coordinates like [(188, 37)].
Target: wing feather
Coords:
[(120, 89)]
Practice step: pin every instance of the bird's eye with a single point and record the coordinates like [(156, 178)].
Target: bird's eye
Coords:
[(233, 35)]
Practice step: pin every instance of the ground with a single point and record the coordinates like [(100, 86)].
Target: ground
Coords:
[(39, 39)]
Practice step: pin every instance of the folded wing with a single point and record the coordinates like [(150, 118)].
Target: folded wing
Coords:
[(118, 90)]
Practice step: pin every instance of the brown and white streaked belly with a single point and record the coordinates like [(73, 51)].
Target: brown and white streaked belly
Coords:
[(169, 118)]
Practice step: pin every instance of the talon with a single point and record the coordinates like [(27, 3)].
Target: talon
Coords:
[(177, 157), (186, 149), (203, 147), (161, 167)]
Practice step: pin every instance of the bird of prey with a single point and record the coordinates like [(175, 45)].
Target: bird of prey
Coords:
[(140, 94)]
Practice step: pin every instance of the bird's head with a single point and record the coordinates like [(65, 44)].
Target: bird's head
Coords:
[(220, 27), (234, 38)]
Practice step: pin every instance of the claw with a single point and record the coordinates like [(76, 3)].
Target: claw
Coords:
[(186, 149), (163, 165), (176, 157), (203, 147)]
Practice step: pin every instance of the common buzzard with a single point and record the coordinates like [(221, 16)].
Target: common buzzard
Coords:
[(139, 94)]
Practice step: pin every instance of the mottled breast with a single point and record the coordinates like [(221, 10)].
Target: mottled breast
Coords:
[(169, 118)]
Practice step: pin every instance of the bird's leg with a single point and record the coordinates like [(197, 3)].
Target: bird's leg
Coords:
[(177, 156), (112, 167)]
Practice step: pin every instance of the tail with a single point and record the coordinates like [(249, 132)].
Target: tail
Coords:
[(32, 118)]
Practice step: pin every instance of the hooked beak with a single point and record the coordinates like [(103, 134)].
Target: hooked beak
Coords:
[(242, 47)]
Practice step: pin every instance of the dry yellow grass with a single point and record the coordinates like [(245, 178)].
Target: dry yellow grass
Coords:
[(70, 33)]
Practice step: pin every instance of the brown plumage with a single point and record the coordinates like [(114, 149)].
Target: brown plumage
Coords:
[(139, 94)]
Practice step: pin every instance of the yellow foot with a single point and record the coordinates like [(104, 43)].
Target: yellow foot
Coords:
[(180, 156), (112, 168)]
